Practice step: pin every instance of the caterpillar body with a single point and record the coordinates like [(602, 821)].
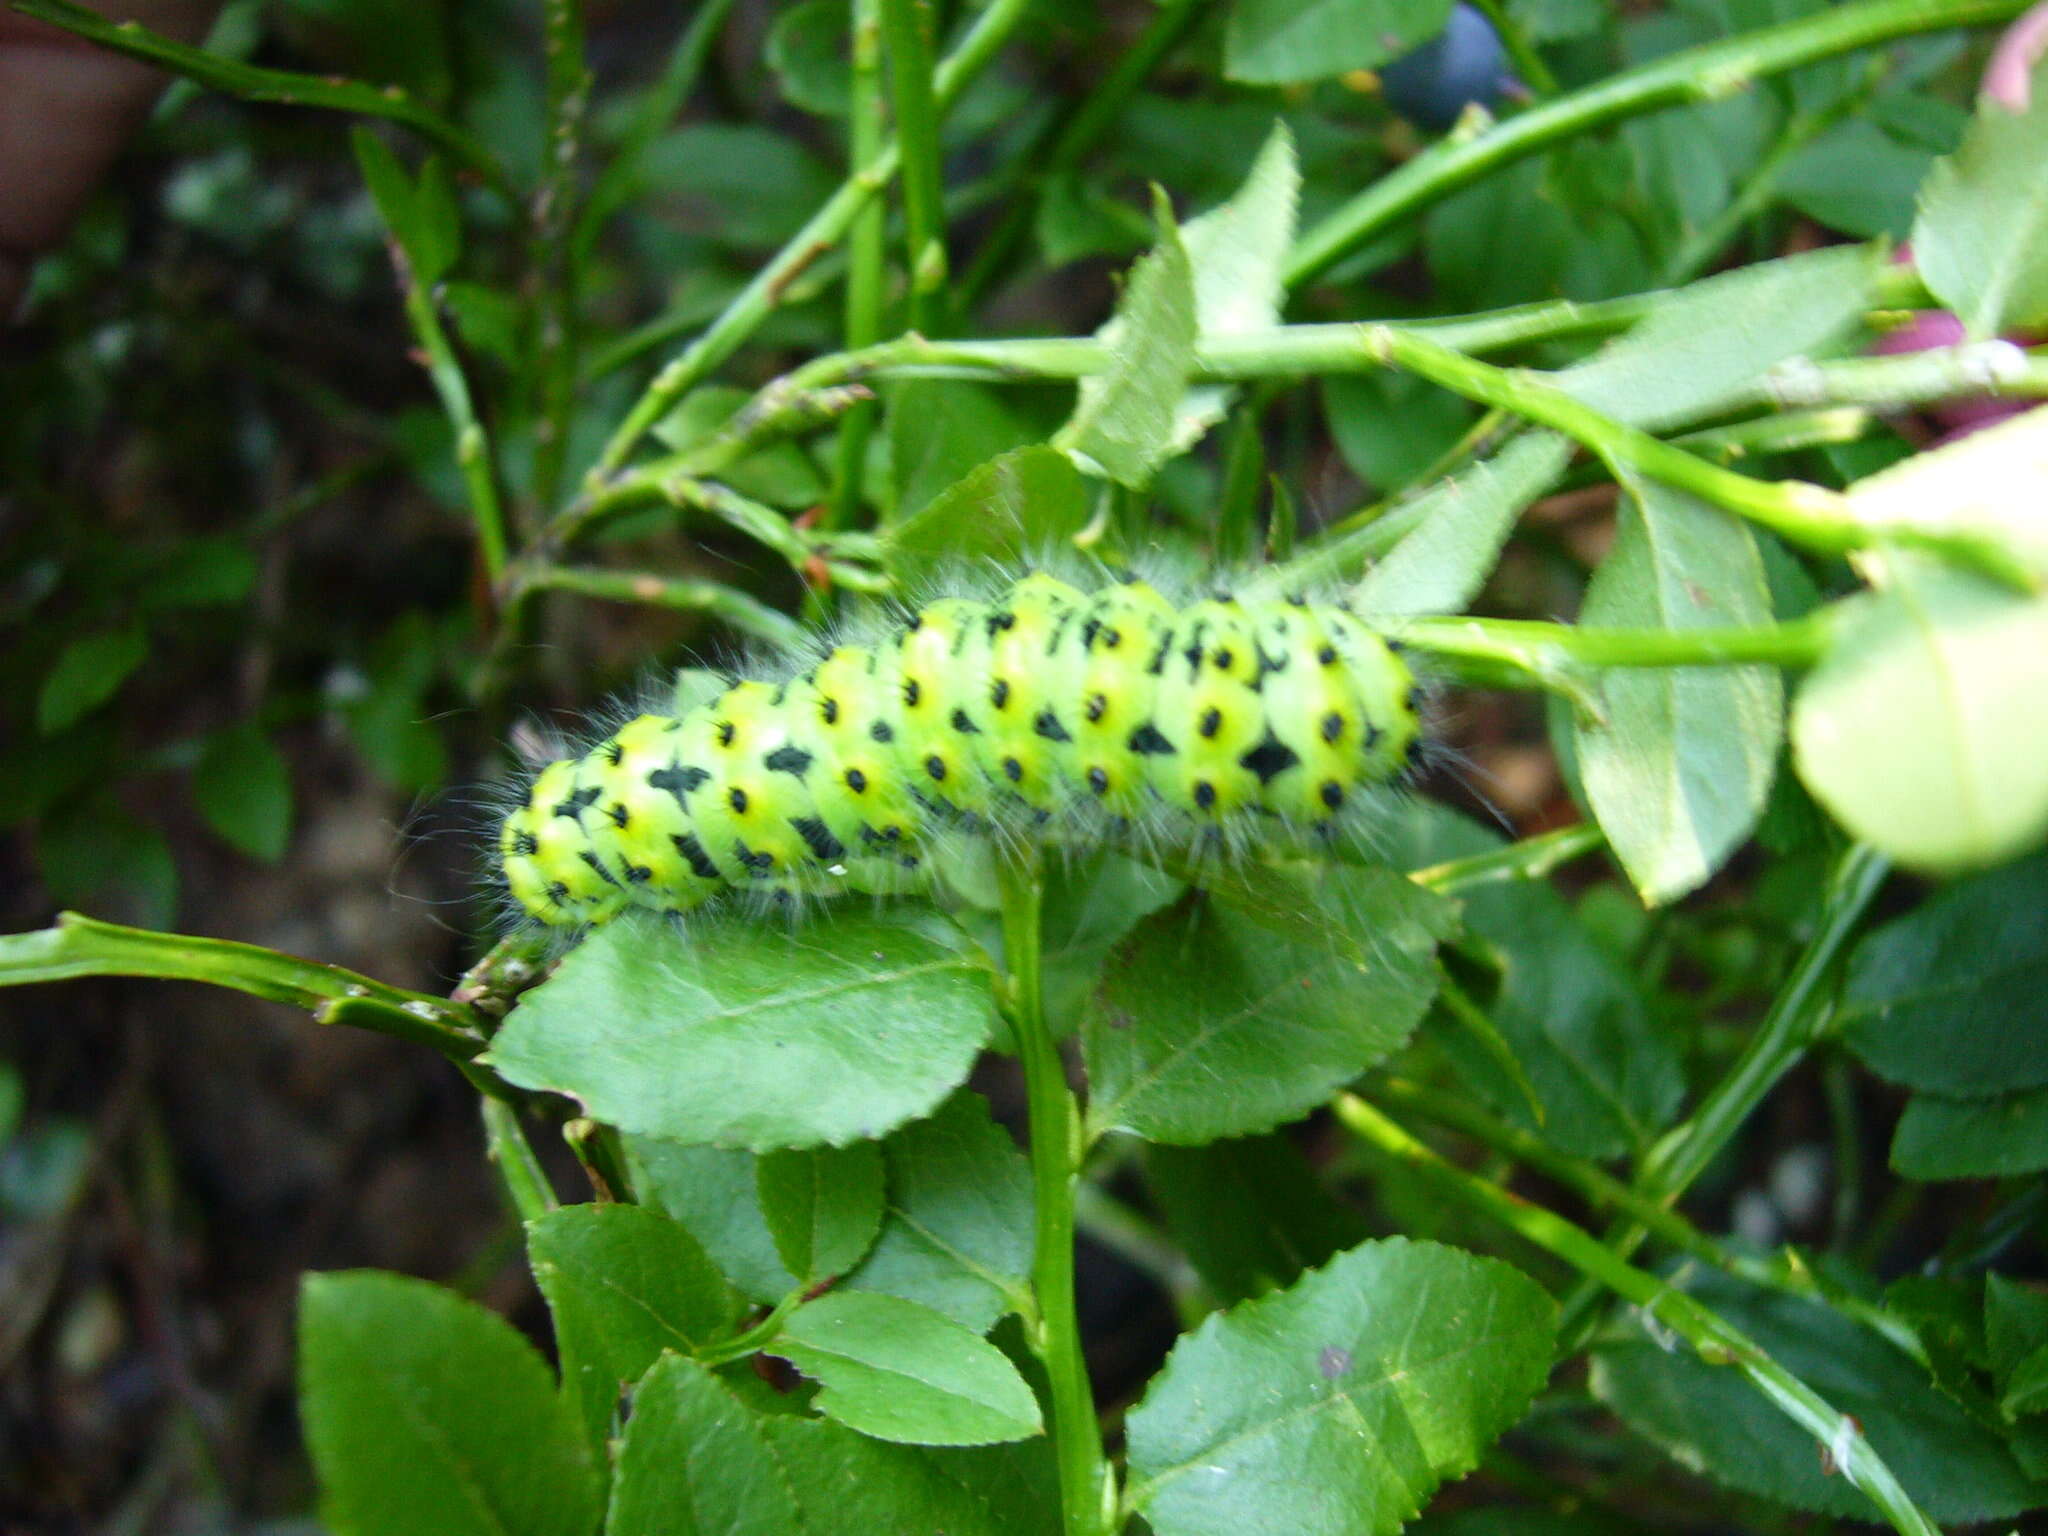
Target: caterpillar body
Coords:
[(1045, 706)]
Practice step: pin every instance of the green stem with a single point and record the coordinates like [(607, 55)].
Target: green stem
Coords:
[(1087, 1492), (1714, 1340), (746, 614), (472, 443), (525, 1181), (83, 946), (1709, 72), (823, 230), (1597, 1187), (231, 77), (1794, 1023), (1996, 369), (867, 244), (1548, 653), (750, 1340), (1520, 50), (907, 39), (1809, 515), (1530, 859)]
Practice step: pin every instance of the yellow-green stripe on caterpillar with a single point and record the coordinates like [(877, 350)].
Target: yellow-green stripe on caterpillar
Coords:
[(1046, 706)]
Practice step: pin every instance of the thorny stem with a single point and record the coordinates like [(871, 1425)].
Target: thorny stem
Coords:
[(555, 268), (907, 40), (1087, 1492), (1532, 858), (867, 245), (1709, 72), (472, 444), (525, 1181), (1663, 1307), (746, 614)]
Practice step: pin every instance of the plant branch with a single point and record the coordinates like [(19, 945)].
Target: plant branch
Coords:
[(1809, 515), (1709, 72), (1087, 1491), (823, 230), (505, 1143), (866, 249), (557, 272), (1532, 858), (282, 86), (746, 614), (1714, 1340), (906, 39)]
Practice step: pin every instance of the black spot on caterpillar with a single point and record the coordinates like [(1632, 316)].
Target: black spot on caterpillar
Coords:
[(1021, 713)]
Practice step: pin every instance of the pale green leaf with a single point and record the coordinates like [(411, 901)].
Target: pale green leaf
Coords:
[(1124, 420), (1981, 240), (1680, 763), (896, 1370)]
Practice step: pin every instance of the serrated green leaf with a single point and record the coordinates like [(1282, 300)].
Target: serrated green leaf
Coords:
[(1981, 239), (1225, 1017), (2015, 1332), (623, 1283), (1335, 1407), (425, 1413), (956, 1235), (823, 1206), (1090, 903), (1277, 42), (942, 430), (896, 1370), (1948, 998), (1944, 1138), (1125, 417), (244, 791), (1251, 1213), (1236, 252), (2026, 1389), (1680, 766), (1712, 341), (745, 1033), (695, 1462), (88, 671), (1018, 505), (1709, 1418)]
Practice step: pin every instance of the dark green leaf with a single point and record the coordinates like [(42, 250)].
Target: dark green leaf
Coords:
[(1276, 42), (695, 1462), (1339, 1405), (624, 1283), (823, 1206), (896, 1370), (1251, 1214), (199, 573), (1390, 427), (848, 1484), (1948, 998), (88, 671), (807, 49), (1710, 1418), (1981, 238), (1941, 1138), (425, 1413), (942, 430), (2016, 1335), (244, 791), (1022, 503), (739, 184), (714, 1192), (1089, 904), (96, 857), (1680, 766), (1226, 1016), (756, 1034), (957, 1232), (1857, 179)]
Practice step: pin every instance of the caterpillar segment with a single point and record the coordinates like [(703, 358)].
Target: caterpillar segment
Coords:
[(1045, 707)]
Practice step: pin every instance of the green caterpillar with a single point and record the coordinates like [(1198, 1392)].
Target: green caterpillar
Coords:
[(1045, 707)]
